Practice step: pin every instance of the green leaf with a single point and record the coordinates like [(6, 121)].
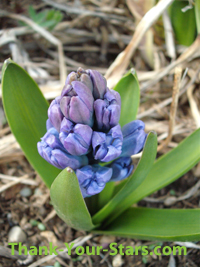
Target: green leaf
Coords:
[(129, 90), (197, 15), (183, 23), (26, 111), (169, 167), (32, 13), (40, 17), (68, 201), (50, 24), (120, 202), (105, 195), (157, 224)]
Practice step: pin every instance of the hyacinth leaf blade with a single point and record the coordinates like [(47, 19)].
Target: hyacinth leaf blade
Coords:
[(26, 112), (105, 195), (118, 203), (183, 23), (129, 90), (169, 167), (156, 224), (197, 15), (68, 202)]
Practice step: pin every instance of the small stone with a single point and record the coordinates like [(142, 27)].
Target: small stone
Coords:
[(50, 237), (25, 192), (170, 201), (16, 234), (41, 226), (37, 192), (117, 261), (105, 241)]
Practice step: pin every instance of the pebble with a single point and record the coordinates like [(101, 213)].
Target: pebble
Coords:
[(170, 201), (117, 261), (26, 192), (16, 234), (41, 226), (37, 192)]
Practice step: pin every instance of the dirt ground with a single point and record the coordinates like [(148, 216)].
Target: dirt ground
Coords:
[(93, 41)]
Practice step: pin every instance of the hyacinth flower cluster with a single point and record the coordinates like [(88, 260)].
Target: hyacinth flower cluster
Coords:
[(83, 130)]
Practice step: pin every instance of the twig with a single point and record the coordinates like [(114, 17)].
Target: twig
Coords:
[(47, 35), (118, 67), (81, 11), (14, 178), (169, 38), (170, 200), (6, 186), (173, 108), (50, 216), (188, 245), (168, 100), (193, 106), (190, 53), (7, 253)]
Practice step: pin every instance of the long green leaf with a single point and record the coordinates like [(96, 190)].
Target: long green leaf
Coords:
[(121, 202), (157, 224), (129, 90), (169, 167), (68, 201), (197, 15), (105, 194), (183, 23), (26, 111)]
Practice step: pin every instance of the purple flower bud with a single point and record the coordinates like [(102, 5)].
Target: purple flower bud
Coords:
[(108, 110), (122, 168), (99, 83), (77, 103), (76, 139), (92, 179), (54, 113), (107, 147), (51, 149), (134, 138), (49, 124)]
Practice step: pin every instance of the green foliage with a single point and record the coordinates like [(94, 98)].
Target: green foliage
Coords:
[(47, 18), (129, 90), (26, 111), (68, 201), (156, 224), (169, 167), (119, 203), (197, 15), (183, 23)]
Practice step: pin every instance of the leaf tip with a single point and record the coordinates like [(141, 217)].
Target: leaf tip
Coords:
[(8, 61), (68, 169), (133, 71)]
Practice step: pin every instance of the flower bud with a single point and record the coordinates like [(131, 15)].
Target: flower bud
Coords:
[(54, 113), (51, 149), (76, 139), (77, 103), (92, 179), (122, 168), (107, 147), (48, 124), (99, 83), (134, 138), (107, 111)]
